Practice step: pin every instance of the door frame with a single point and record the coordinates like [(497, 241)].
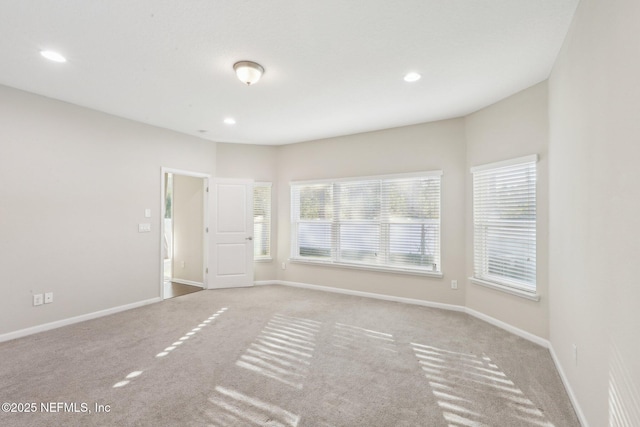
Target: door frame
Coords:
[(205, 215)]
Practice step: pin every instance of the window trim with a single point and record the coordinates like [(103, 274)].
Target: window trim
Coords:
[(534, 296), (367, 267), (369, 177), (359, 266), (265, 258), (501, 283), (504, 163)]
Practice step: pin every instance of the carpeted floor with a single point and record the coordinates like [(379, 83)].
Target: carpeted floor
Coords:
[(278, 356)]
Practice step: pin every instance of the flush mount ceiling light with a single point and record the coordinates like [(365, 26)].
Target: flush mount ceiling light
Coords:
[(53, 56), (230, 121), (248, 72), (412, 77)]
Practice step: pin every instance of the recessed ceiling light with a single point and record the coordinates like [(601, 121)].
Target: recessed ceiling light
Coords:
[(53, 56), (412, 77), (230, 121)]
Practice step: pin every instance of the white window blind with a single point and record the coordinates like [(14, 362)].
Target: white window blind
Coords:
[(388, 222), (262, 220), (504, 223)]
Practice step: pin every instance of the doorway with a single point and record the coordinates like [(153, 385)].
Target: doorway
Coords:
[(184, 246)]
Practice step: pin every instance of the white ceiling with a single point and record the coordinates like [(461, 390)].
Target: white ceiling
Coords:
[(333, 67)]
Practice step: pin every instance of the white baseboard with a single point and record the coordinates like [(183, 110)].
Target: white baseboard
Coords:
[(371, 295), (567, 386), (451, 307), (266, 282), (509, 328), (188, 282), (77, 319)]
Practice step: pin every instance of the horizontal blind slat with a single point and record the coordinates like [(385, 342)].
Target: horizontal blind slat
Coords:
[(379, 222), (504, 219)]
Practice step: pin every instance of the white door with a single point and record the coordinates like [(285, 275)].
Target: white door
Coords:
[(232, 233)]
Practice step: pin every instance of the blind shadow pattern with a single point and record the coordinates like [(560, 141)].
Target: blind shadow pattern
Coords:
[(239, 409), (173, 346), (351, 337), (467, 387), (283, 350), (624, 398)]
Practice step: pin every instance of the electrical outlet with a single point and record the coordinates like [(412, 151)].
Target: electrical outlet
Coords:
[(37, 299), (48, 297), (454, 284), (284, 265)]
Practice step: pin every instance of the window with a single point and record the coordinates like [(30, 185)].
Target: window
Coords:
[(262, 221), (504, 224), (385, 222)]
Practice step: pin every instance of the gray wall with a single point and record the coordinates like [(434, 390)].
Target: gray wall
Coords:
[(594, 110), (259, 163), (425, 147), (75, 184), (514, 127)]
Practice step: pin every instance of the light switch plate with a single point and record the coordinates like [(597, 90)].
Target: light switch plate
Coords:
[(48, 297), (147, 213), (144, 227)]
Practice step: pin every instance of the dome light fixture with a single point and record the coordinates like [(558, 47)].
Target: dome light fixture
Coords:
[(248, 72)]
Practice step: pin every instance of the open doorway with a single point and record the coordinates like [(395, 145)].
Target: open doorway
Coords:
[(184, 227)]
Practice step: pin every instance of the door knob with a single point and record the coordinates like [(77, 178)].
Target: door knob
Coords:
[(249, 238)]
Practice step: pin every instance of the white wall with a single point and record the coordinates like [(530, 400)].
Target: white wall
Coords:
[(188, 228), (511, 128), (425, 147), (259, 163), (74, 186), (594, 110)]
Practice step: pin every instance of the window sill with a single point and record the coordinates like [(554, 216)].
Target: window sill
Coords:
[(367, 267), (509, 290), (269, 259)]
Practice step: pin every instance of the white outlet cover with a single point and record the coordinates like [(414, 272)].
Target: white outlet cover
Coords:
[(37, 299)]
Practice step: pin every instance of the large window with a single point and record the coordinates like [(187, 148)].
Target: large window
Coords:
[(385, 222), (504, 223), (262, 221)]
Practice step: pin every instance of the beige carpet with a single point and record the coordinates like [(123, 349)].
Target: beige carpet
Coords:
[(278, 356)]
